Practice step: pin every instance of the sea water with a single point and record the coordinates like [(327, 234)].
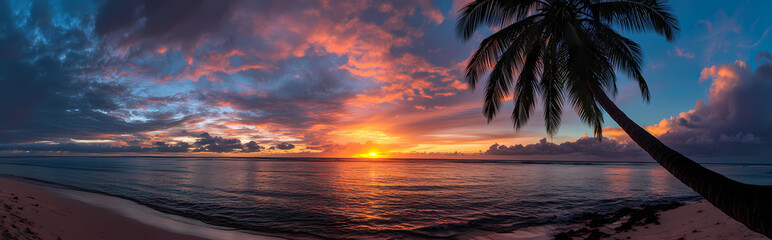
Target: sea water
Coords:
[(370, 198)]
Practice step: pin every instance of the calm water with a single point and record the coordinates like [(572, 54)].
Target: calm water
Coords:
[(370, 198)]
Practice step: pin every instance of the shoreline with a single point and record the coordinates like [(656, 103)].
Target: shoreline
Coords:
[(32, 211), (36, 211)]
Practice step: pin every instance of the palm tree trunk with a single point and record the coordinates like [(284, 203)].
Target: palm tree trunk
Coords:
[(749, 204)]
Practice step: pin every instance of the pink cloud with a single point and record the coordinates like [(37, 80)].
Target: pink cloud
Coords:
[(678, 52)]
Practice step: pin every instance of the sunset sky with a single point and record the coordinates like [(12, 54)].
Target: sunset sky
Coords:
[(346, 79)]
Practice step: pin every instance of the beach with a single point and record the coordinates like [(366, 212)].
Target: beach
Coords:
[(698, 220), (30, 211), (692, 221)]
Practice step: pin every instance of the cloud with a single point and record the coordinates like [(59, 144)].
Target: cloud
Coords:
[(156, 147), (588, 146), (204, 143), (165, 147), (736, 119), (252, 146), (285, 146), (350, 148), (457, 5), (763, 55), (724, 36), (207, 143), (295, 71), (153, 25), (324, 76), (761, 39), (48, 89), (678, 52)]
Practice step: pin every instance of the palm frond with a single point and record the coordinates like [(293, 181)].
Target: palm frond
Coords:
[(638, 16), (502, 76), (624, 54), (561, 50), (525, 92), (491, 13), (552, 84), (586, 67), (493, 46)]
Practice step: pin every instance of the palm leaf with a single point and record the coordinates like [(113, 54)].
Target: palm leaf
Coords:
[(638, 16), (492, 47), (491, 13)]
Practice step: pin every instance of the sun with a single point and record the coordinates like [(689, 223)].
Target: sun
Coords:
[(372, 154)]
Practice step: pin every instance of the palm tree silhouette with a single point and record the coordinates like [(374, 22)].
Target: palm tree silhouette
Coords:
[(568, 50)]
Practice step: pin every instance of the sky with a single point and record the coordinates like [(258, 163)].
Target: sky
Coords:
[(347, 79)]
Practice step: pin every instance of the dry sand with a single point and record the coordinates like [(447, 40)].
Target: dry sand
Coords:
[(692, 221), (695, 221)]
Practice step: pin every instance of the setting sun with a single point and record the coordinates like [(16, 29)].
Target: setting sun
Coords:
[(372, 154)]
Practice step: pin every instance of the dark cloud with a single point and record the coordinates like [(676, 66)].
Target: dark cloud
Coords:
[(73, 148), (285, 146), (736, 121), (165, 147), (48, 89), (252, 146), (204, 143), (763, 55), (159, 147), (305, 92), (207, 143), (584, 146), (151, 24)]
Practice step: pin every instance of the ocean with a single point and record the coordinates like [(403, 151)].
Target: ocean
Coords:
[(369, 198)]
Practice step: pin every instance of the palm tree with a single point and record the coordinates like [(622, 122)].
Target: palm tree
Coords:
[(568, 50)]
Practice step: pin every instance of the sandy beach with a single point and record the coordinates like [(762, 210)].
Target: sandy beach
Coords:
[(692, 221), (698, 220)]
